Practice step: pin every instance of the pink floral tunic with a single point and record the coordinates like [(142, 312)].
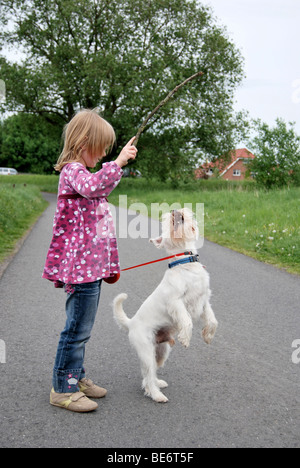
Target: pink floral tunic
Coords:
[(83, 247)]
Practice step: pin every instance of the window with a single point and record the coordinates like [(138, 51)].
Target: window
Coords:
[(237, 173)]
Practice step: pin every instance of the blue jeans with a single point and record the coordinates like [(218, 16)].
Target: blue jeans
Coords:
[(81, 308)]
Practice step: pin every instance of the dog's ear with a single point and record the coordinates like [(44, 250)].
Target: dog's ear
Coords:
[(157, 242)]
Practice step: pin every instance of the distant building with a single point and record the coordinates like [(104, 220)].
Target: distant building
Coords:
[(229, 170)]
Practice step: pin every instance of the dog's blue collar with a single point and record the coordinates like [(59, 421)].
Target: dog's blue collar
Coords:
[(192, 259)]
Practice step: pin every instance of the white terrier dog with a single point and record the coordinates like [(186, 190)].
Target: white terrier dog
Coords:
[(181, 297)]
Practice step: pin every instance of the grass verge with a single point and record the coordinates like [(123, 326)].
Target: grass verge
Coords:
[(46, 183), (20, 208)]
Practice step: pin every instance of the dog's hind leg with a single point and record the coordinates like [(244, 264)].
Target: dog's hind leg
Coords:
[(151, 383), (146, 353), (162, 353)]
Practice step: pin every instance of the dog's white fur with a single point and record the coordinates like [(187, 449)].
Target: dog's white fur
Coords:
[(182, 297)]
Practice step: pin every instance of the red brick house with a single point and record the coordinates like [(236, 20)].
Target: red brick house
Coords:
[(233, 170)]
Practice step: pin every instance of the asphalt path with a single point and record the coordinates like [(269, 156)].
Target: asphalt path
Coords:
[(241, 391)]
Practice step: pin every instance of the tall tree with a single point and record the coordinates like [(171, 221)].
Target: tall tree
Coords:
[(277, 151), (124, 56)]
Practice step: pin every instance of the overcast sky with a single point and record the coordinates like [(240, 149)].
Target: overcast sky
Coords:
[(268, 34)]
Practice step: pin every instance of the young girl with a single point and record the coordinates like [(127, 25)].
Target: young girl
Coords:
[(83, 250)]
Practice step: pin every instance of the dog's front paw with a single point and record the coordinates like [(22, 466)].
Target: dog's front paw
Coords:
[(208, 333), (184, 339)]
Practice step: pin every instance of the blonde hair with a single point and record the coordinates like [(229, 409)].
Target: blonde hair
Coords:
[(87, 130)]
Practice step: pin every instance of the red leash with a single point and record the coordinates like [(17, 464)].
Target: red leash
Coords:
[(116, 277), (155, 261)]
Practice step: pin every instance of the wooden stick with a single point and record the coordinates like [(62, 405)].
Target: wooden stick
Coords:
[(162, 103)]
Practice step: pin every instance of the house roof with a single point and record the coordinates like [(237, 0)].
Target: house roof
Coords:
[(224, 166), (238, 154)]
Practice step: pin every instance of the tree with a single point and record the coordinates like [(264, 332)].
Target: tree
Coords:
[(277, 151), (29, 144), (124, 56)]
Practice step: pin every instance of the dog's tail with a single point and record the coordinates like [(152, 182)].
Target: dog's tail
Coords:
[(119, 314)]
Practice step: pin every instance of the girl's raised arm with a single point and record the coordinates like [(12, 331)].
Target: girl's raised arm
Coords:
[(97, 185)]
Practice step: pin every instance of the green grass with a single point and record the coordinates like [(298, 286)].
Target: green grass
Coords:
[(20, 207), (46, 183), (264, 225)]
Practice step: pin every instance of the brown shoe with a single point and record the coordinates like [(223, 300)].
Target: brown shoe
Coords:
[(77, 402), (90, 389)]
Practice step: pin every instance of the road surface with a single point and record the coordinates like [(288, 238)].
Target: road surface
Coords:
[(241, 391)]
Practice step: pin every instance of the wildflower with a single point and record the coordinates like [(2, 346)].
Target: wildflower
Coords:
[(271, 238)]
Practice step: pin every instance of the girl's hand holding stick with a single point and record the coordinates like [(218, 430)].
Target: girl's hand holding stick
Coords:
[(128, 153)]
